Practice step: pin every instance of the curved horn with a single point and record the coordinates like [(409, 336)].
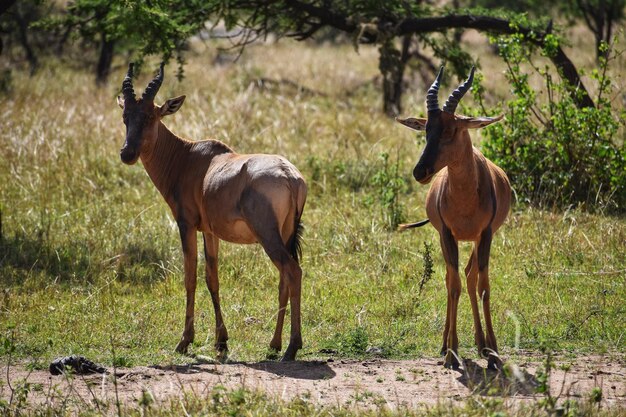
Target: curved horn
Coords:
[(154, 85), (432, 102), (458, 94), (127, 84)]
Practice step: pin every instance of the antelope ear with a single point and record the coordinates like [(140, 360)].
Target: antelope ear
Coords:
[(172, 105), (120, 102), (413, 123), (476, 122)]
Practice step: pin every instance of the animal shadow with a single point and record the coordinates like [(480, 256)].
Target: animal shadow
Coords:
[(314, 370), (192, 368), (510, 382)]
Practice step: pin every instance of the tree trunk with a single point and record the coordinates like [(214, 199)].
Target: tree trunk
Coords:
[(22, 28), (392, 63), (324, 16), (104, 61), (491, 24)]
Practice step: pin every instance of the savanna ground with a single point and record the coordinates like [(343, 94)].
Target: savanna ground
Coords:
[(91, 262)]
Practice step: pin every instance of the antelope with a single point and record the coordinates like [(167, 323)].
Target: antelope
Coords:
[(239, 198), (468, 200)]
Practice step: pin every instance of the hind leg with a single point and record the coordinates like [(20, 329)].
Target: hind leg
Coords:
[(188, 239), (211, 246), (283, 297), (260, 216), (291, 284)]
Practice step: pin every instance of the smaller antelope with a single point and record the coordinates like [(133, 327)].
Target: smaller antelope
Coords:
[(468, 201), (238, 198)]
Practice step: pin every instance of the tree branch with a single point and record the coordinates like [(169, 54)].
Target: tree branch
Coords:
[(495, 25), (391, 26)]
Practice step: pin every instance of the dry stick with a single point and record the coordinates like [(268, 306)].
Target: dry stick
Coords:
[(261, 82), (565, 271), (95, 399), (117, 398), (72, 387), (8, 368)]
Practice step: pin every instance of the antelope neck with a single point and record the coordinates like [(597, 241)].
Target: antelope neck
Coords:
[(163, 162), (463, 180)]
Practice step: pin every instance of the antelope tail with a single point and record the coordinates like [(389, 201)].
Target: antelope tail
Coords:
[(406, 226), (295, 242)]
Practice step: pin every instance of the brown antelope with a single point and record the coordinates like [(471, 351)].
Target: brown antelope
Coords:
[(468, 201), (234, 197)]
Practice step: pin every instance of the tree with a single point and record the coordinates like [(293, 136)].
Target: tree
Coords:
[(396, 26), (383, 22), (600, 16), (158, 27), (15, 19)]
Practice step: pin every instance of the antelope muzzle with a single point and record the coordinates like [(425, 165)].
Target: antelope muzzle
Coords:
[(422, 173), (129, 155)]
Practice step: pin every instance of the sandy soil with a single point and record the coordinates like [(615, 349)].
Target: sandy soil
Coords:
[(365, 383)]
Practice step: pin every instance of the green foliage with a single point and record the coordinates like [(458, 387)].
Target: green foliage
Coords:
[(352, 343), (390, 185), (159, 27), (536, 8), (556, 153)]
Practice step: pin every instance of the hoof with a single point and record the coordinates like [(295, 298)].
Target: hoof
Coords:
[(289, 356), (222, 356), (485, 352), (494, 362), (182, 347), (451, 361), (272, 354), (276, 345)]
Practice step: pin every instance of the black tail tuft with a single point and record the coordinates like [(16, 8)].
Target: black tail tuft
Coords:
[(403, 227), (295, 244)]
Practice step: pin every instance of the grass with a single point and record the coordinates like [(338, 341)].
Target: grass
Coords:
[(220, 401), (90, 260)]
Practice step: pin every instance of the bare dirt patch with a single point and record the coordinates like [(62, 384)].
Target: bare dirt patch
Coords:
[(372, 382)]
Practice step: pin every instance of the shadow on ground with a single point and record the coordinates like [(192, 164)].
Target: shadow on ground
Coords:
[(296, 369), (483, 381), (310, 370), (69, 262)]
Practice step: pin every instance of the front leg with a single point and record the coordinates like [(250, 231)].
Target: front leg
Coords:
[(484, 291), (190, 253), (450, 250)]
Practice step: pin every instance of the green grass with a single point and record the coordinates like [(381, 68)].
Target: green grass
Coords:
[(90, 260), (220, 401)]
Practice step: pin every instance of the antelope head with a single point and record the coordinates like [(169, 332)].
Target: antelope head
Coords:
[(447, 139), (142, 116)]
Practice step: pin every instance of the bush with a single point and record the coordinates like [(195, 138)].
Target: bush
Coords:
[(556, 154)]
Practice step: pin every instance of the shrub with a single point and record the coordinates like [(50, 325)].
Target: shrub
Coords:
[(556, 153)]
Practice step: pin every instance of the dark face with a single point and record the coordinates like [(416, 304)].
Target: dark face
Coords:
[(425, 168), (139, 120), (439, 150)]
